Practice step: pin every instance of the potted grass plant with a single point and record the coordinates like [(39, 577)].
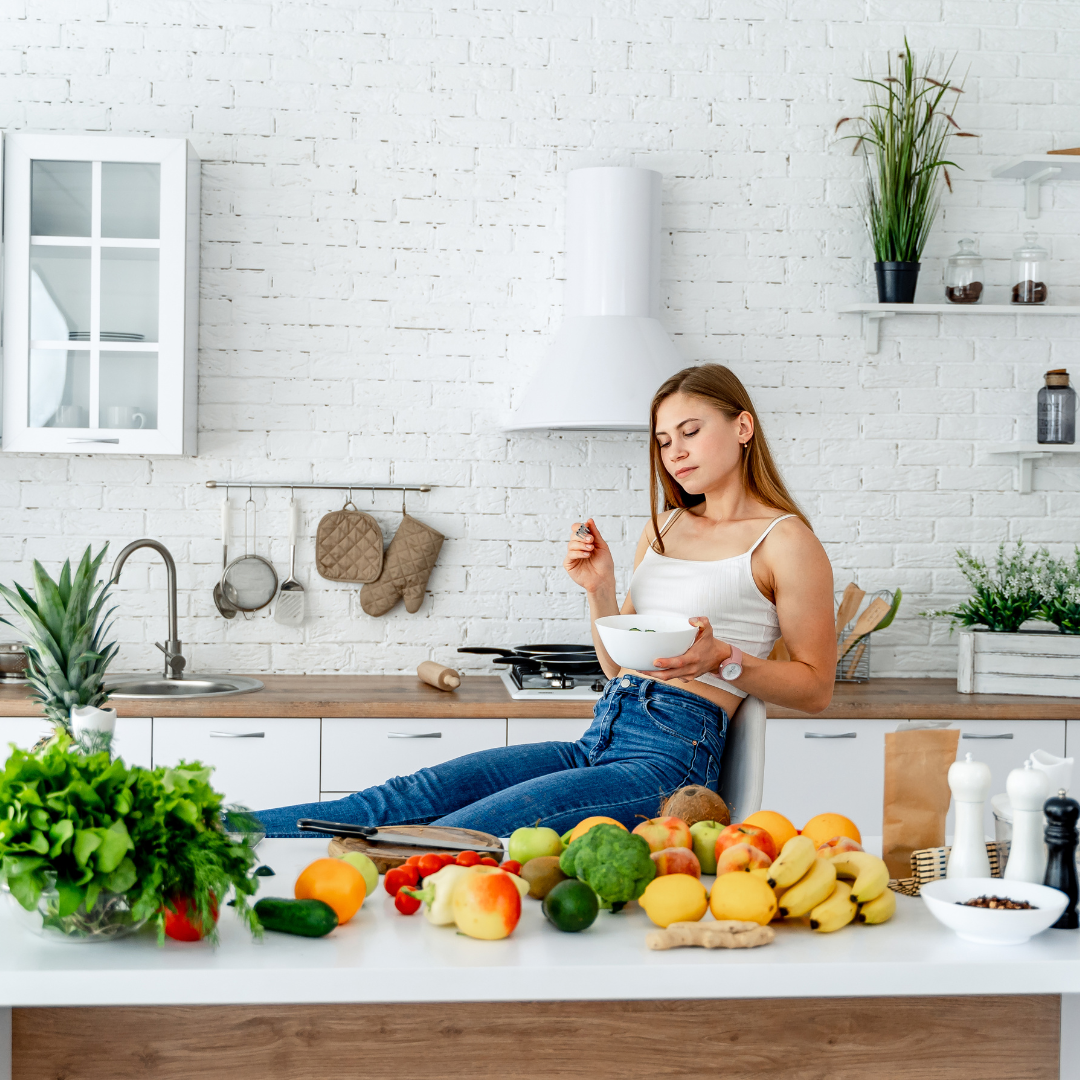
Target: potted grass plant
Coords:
[(903, 135), (65, 623), (998, 653)]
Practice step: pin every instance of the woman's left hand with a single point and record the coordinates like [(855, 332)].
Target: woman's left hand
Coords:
[(704, 656)]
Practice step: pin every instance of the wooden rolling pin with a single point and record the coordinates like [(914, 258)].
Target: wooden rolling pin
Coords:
[(439, 676)]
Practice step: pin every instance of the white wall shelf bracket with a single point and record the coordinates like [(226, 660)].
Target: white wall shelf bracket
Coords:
[(1032, 186), (872, 328), (1027, 454), (1036, 170), (1027, 471)]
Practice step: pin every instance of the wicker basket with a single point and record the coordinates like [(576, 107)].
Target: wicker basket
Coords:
[(929, 864)]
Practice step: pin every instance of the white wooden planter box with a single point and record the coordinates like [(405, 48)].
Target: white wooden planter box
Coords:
[(1046, 664)]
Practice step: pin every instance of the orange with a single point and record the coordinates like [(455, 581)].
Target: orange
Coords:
[(582, 827), (335, 883), (825, 826), (776, 825)]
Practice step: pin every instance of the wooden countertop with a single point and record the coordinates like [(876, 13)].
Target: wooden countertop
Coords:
[(485, 695)]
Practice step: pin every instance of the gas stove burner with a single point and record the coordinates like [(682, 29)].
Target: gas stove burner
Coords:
[(570, 672)]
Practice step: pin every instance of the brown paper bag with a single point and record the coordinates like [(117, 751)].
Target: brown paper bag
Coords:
[(916, 793)]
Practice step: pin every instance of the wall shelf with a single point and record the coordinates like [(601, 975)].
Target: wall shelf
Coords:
[(1036, 170), (1027, 453), (873, 313)]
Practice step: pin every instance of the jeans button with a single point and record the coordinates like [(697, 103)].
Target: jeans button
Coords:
[(625, 683)]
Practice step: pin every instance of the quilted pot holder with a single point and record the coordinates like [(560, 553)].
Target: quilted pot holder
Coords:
[(409, 561), (349, 546)]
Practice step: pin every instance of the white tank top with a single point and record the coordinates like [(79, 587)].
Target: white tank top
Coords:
[(723, 590)]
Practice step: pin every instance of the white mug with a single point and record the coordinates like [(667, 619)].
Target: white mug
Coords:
[(124, 416), (69, 416)]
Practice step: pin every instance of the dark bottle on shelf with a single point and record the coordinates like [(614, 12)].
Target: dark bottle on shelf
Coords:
[(1061, 814), (1057, 409)]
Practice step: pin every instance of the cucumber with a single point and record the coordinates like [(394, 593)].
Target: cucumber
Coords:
[(309, 918)]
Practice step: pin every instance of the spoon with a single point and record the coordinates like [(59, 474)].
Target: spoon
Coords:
[(220, 601)]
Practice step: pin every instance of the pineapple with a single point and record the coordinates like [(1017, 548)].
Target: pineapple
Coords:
[(65, 629)]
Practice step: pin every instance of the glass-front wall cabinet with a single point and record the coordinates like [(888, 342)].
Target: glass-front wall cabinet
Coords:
[(100, 294)]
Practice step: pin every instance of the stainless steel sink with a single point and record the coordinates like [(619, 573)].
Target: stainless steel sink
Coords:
[(154, 686)]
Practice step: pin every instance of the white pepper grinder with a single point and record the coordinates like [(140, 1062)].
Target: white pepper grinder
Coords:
[(1028, 789), (969, 782)]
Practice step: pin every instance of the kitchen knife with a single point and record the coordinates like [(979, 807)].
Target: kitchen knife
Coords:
[(383, 836)]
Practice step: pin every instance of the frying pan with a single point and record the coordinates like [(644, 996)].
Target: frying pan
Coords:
[(559, 659)]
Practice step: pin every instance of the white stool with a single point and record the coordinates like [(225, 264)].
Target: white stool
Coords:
[(742, 768)]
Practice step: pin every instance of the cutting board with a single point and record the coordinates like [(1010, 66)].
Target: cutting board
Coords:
[(387, 856)]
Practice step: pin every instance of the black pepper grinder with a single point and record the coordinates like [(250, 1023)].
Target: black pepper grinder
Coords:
[(1061, 816)]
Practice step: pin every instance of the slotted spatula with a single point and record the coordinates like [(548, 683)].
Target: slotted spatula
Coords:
[(289, 610)]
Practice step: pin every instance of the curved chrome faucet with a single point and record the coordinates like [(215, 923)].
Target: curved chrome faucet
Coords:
[(172, 648)]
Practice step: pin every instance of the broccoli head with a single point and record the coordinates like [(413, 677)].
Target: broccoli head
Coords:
[(614, 862)]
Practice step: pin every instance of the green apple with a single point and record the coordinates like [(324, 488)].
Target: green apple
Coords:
[(704, 834), (531, 843), (366, 867)]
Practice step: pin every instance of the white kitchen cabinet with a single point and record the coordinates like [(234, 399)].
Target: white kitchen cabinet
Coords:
[(359, 753), (259, 763), (101, 288), (521, 730), (1072, 747), (133, 739), (826, 766)]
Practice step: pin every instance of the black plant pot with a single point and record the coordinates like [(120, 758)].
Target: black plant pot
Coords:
[(896, 281)]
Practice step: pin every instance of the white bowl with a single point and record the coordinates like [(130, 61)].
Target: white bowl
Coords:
[(635, 641), (992, 926)]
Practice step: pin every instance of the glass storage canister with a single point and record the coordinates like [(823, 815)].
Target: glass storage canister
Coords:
[(964, 274), (1057, 409), (1028, 272)]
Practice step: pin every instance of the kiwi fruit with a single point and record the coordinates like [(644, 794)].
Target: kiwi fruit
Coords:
[(542, 874), (696, 803)]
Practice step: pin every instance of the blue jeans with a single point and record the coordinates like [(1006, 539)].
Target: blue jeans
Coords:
[(647, 739)]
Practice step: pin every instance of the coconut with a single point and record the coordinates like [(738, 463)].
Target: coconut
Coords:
[(694, 804)]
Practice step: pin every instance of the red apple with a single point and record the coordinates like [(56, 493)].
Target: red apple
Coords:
[(741, 857), (665, 832), (676, 860), (741, 833), (836, 845)]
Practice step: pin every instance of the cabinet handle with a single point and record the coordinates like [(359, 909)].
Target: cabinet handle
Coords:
[(93, 440), (829, 735), (977, 735), (237, 734), (404, 735)]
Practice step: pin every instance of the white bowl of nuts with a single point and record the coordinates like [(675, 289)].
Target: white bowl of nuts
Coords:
[(992, 911)]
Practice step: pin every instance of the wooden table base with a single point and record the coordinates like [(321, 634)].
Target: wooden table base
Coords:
[(927, 1038)]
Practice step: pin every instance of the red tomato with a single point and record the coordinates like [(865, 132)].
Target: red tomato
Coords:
[(400, 875), (487, 860), (511, 866), (183, 924), (447, 858), (468, 858), (406, 904), (412, 860), (429, 864)]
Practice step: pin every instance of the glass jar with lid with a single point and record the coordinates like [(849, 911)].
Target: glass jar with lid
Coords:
[(1057, 409), (1029, 272), (964, 275)]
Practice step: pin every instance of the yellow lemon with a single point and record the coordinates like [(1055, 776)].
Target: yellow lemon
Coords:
[(744, 897), (674, 898)]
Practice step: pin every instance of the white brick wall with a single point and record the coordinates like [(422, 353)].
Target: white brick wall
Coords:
[(381, 271)]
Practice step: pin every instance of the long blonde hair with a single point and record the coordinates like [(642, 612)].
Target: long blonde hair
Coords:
[(721, 387)]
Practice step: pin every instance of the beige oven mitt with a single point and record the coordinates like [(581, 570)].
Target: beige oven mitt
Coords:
[(408, 562), (349, 546)]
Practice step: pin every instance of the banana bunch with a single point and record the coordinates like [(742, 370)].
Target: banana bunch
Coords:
[(831, 891)]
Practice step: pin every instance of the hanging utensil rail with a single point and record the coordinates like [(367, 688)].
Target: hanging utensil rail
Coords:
[(238, 484)]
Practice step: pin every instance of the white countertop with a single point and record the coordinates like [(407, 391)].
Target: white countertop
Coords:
[(381, 956)]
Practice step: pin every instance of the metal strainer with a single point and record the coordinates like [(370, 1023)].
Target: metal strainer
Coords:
[(249, 582)]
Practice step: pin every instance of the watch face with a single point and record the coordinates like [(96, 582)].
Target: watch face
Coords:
[(731, 671)]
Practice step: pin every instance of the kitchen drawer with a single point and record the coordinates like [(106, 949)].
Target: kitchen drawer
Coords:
[(826, 766), (259, 763), (364, 752), (531, 730), (133, 737)]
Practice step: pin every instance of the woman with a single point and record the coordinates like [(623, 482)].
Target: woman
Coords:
[(732, 547)]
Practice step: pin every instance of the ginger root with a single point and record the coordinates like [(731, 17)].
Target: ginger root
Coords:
[(719, 934)]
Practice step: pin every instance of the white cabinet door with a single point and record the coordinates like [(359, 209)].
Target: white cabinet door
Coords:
[(361, 753), (133, 738), (557, 729), (1004, 745), (826, 766), (1072, 746), (101, 294), (259, 763)]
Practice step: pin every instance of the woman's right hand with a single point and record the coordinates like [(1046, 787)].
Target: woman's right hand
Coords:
[(588, 559)]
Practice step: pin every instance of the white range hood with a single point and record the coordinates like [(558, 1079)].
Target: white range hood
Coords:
[(611, 353)]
